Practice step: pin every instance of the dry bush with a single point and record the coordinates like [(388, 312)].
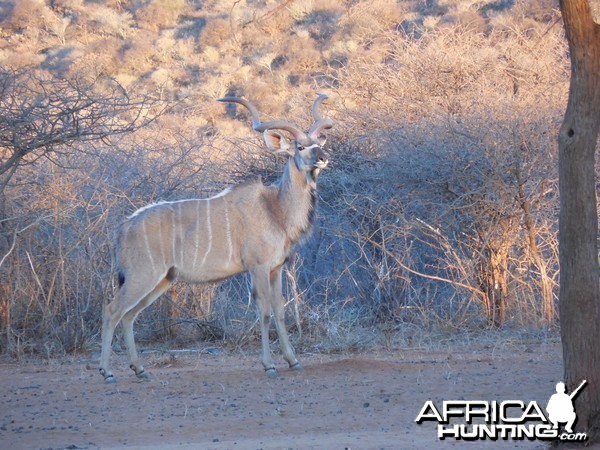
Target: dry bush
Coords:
[(475, 206), (215, 32), (25, 14), (469, 21), (366, 20), (69, 5), (48, 210), (538, 10), (100, 57), (59, 27), (167, 47), (107, 21), (307, 58), (421, 236), (158, 14), (19, 60), (136, 54), (321, 24)]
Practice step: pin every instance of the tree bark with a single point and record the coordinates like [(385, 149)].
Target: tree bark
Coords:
[(495, 285), (579, 303)]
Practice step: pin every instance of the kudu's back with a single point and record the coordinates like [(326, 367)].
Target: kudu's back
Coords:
[(201, 240)]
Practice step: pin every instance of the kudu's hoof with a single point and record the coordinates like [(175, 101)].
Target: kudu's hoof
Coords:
[(140, 373), (297, 367), (272, 373), (144, 376), (108, 378)]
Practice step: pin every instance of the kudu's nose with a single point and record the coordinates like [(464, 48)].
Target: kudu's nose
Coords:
[(322, 157)]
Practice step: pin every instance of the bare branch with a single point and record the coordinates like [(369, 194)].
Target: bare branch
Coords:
[(40, 114)]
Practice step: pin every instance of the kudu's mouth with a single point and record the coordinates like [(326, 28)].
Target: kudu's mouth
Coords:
[(321, 158), (321, 164)]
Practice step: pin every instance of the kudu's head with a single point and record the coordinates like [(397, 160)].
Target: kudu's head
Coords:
[(305, 149)]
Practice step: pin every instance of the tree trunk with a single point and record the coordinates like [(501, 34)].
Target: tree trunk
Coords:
[(579, 304), (494, 285)]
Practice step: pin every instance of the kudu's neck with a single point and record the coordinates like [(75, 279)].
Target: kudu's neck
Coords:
[(297, 198)]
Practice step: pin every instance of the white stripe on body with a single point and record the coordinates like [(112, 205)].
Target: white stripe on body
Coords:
[(147, 242), (209, 230), (228, 234), (197, 236), (173, 237), (181, 237), (223, 193), (161, 242)]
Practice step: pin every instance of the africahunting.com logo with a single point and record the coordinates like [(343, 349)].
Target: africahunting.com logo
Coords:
[(508, 419)]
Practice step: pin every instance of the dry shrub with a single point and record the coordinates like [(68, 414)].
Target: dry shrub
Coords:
[(301, 10), (476, 71), (100, 56), (466, 153), (469, 21), (136, 54), (19, 60), (158, 14), (110, 184), (366, 20), (161, 80), (215, 32), (28, 14), (539, 10), (321, 24), (267, 26), (59, 27), (107, 21), (167, 46), (306, 60), (69, 5)]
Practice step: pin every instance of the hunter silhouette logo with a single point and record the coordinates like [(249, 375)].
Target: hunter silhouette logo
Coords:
[(560, 407), (509, 419)]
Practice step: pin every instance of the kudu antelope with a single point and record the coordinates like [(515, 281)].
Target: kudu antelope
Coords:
[(247, 228)]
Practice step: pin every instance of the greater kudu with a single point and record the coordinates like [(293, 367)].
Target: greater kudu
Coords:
[(247, 228)]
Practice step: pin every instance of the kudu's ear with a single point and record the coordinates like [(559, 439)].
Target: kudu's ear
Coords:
[(277, 142)]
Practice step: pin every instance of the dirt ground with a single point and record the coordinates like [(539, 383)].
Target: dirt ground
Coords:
[(224, 401)]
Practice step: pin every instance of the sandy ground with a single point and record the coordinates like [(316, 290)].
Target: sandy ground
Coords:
[(225, 401)]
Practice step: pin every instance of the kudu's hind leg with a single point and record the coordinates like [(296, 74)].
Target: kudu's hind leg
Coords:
[(278, 306), (126, 298), (129, 319)]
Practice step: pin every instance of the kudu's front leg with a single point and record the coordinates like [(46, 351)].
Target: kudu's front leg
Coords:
[(278, 306), (261, 294)]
